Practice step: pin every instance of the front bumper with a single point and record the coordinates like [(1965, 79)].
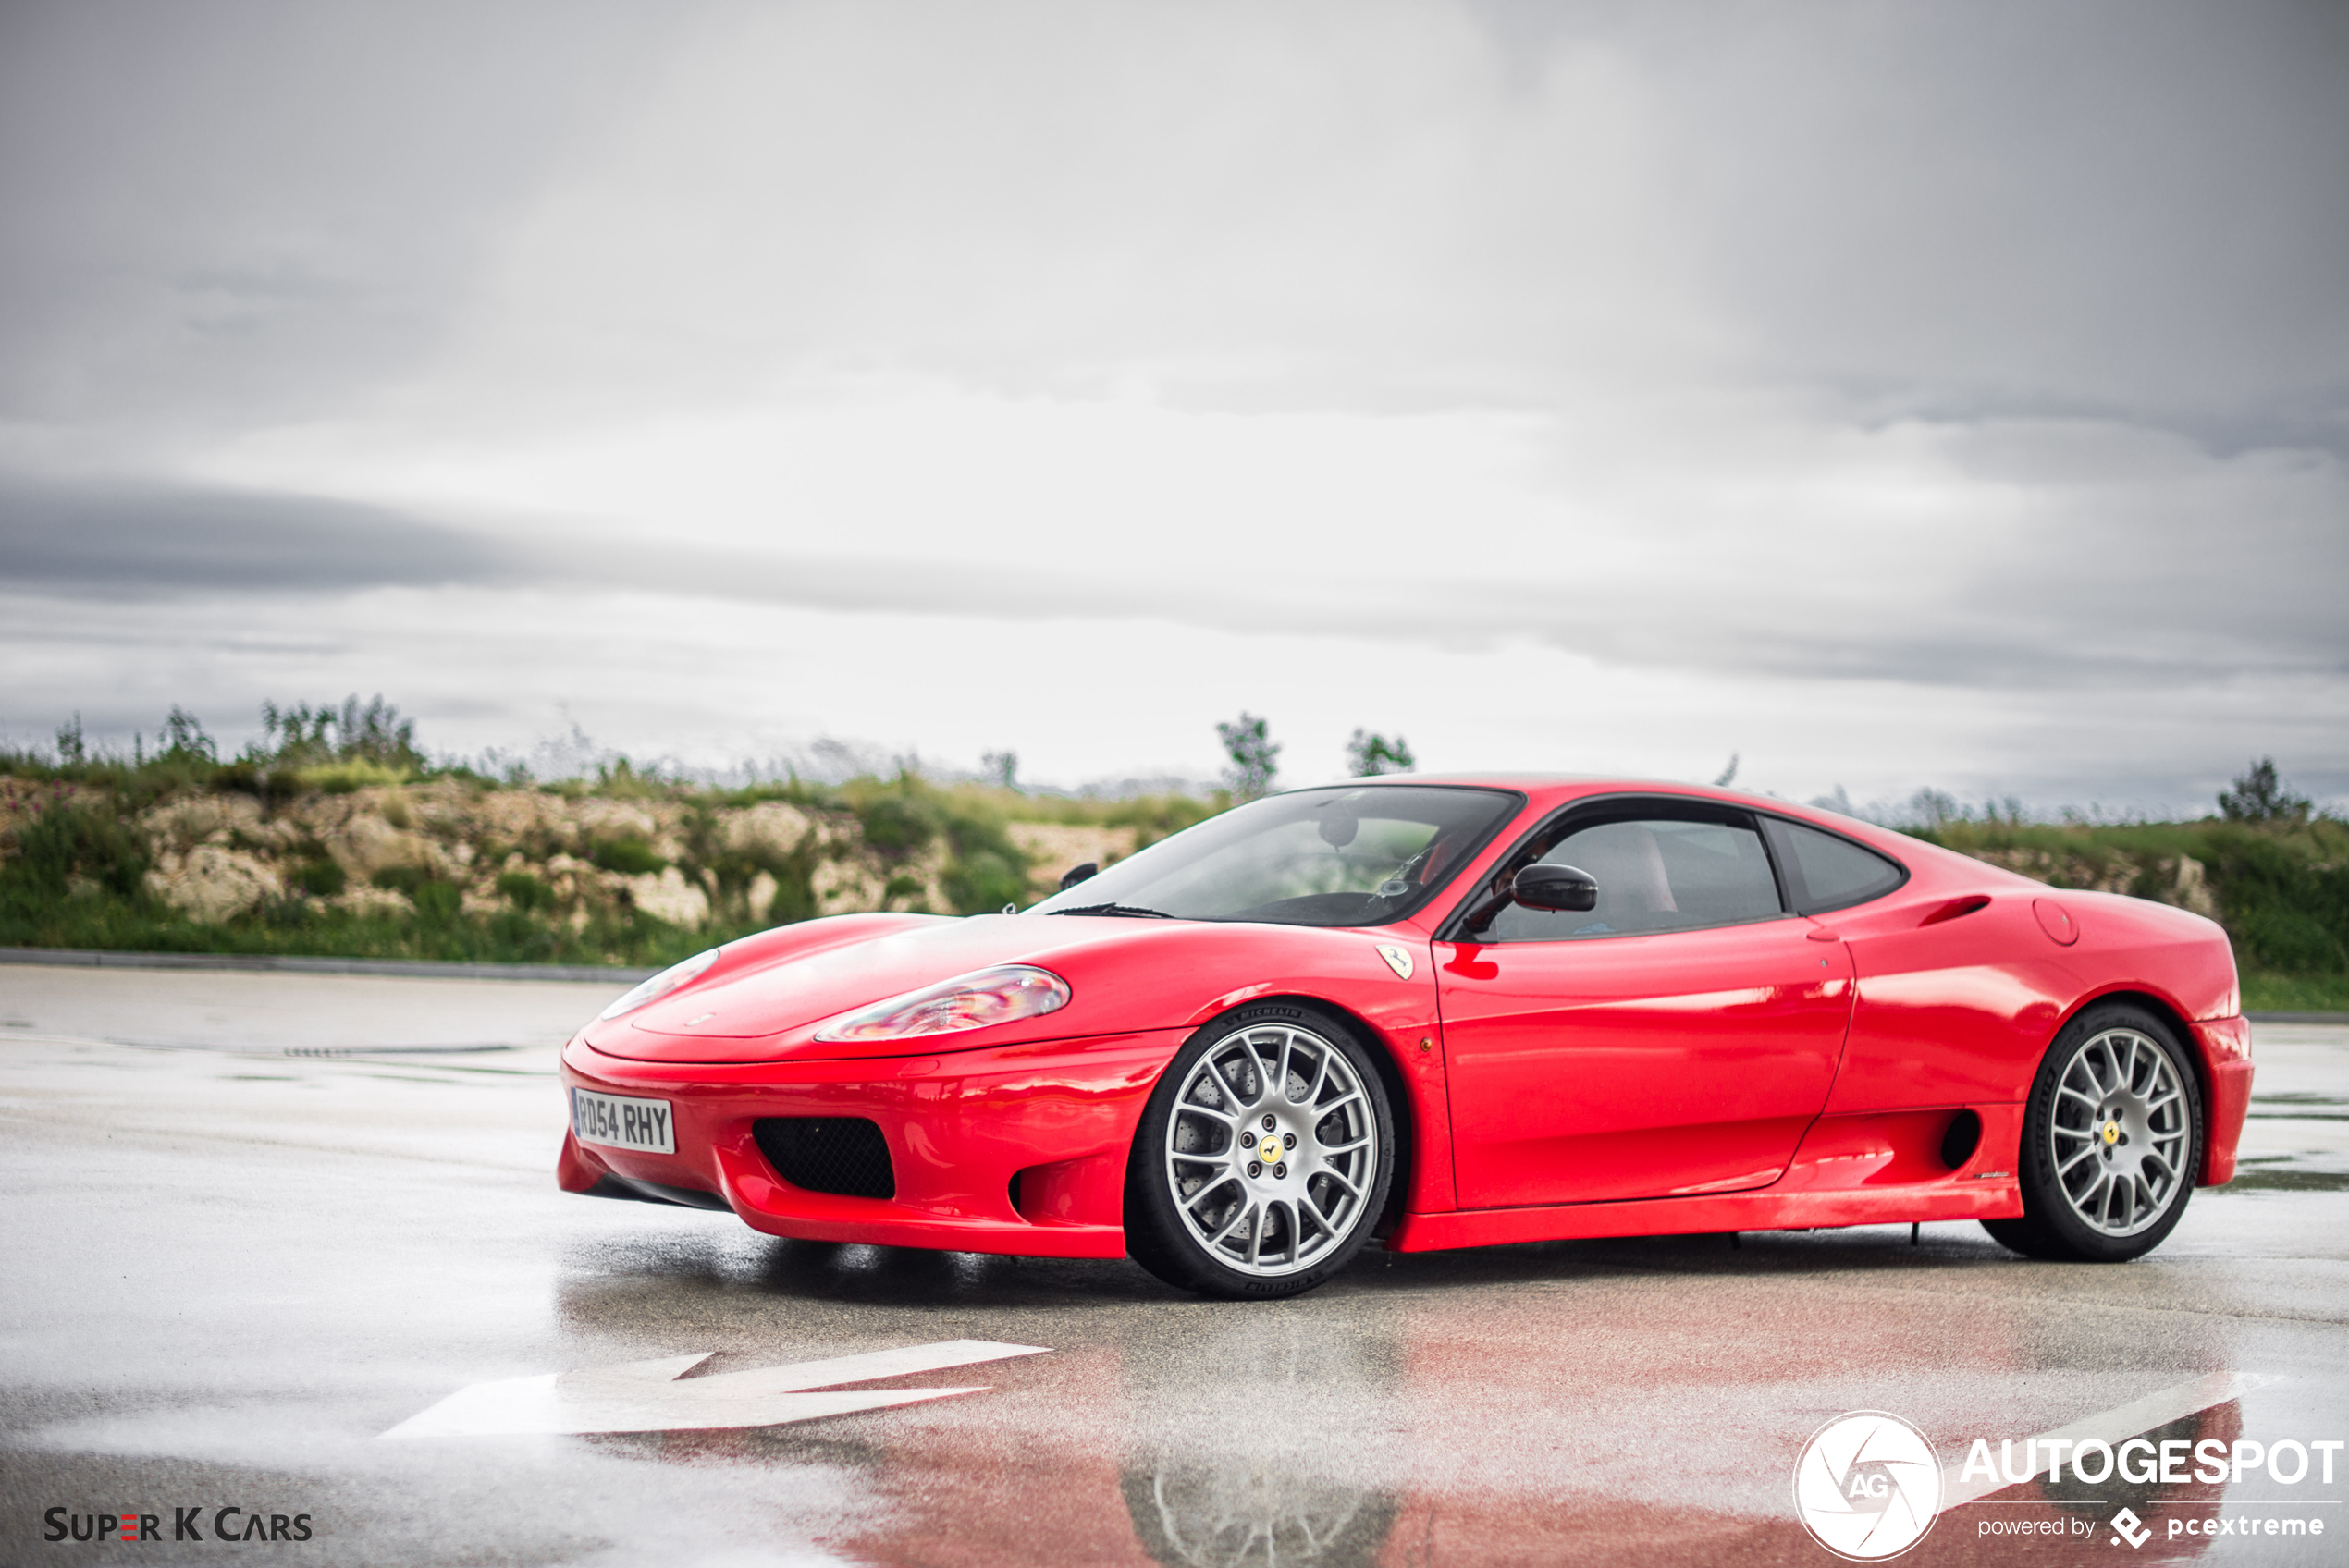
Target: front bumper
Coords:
[(960, 1126)]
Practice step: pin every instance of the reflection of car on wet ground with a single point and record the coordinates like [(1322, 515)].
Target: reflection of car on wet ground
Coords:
[(1448, 1013)]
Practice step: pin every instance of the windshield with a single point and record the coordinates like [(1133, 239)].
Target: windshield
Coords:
[(1352, 855)]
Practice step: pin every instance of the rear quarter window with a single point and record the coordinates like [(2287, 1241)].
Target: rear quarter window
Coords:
[(1828, 871)]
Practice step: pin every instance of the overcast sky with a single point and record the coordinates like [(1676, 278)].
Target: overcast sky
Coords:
[(1891, 395)]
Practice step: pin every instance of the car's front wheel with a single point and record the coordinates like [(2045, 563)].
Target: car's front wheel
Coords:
[(2112, 1141), (1263, 1157)]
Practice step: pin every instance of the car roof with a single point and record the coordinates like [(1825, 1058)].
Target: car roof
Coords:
[(1557, 788), (1545, 791)]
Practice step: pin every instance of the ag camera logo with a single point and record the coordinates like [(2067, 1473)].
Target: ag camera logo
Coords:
[(1867, 1486)]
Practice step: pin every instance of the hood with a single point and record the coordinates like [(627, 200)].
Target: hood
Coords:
[(762, 999), (764, 995)]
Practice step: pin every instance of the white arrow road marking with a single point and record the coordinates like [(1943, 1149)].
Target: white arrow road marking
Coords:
[(2110, 1426), (643, 1396)]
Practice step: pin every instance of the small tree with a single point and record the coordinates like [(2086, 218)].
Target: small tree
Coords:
[(378, 734), (1001, 768), (2259, 796), (1255, 757), (183, 739), (298, 736), (1368, 756)]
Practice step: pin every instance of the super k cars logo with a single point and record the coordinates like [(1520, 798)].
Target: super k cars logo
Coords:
[(229, 1523), (1867, 1486)]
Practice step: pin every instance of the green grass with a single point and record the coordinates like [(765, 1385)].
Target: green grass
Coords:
[(2281, 888), (142, 925), (2287, 993)]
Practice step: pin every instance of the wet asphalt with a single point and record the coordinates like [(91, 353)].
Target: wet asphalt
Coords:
[(253, 1221)]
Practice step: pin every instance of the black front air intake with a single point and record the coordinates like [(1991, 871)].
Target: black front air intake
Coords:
[(827, 1154)]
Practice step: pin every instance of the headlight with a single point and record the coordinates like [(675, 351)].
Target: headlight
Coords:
[(967, 1001), (660, 985)]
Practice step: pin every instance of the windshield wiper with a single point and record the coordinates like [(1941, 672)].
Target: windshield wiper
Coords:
[(1132, 911)]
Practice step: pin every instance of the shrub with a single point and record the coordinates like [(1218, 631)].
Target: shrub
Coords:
[(984, 882), (87, 841), (524, 891), (343, 778), (630, 857), (439, 901), (898, 823)]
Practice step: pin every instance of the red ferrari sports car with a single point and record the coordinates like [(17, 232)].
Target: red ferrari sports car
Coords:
[(1442, 1012)]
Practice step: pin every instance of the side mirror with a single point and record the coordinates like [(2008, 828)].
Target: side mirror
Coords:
[(1564, 888), (1076, 874)]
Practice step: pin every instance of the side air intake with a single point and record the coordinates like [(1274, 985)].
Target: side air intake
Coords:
[(845, 1154)]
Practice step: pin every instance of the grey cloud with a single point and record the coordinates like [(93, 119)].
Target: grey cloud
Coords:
[(2089, 607), (2107, 203), (2077, 626), (249, 209), (118, 540)]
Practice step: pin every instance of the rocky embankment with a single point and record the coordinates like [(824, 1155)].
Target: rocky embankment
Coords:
[(566, 856), (2180, 880)]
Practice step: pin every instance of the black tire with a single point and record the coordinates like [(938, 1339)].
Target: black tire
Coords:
[(2112, 1141), (1203, 1213)]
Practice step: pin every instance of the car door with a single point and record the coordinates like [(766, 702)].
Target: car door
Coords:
[(1676, 1039)]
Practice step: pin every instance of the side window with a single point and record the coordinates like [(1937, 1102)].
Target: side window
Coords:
[(1654, 875), (1825, 871)]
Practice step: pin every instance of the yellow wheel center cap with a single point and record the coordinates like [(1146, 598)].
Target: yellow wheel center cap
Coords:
[(2113, 1132)]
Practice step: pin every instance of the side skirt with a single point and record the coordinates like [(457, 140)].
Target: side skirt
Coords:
[(1874, 1167), (1994, 1199)]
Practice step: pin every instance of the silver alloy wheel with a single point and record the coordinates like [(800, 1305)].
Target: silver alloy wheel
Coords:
[(2117, 1132), (1272, 1149)]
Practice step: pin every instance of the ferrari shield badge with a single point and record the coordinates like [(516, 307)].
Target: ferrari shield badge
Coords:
[(1398, 960)]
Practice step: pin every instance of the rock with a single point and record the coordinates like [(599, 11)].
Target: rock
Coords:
[(762, 888), (513, 815), (2190, 888), (185, 821), (1052, 848), (366, 901), (846, 887), (604, 822), (770, 827), (667, 895), (365, 844), (211, 883)]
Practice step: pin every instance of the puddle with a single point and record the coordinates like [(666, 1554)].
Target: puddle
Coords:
[(395, 1051), (1237, 1514), (2287, 1182)]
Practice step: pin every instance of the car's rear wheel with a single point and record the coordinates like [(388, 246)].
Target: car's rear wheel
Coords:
[(1263, 1157), (2112, 1141)]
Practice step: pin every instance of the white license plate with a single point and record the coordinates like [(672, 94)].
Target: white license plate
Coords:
[(620, 1123)]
